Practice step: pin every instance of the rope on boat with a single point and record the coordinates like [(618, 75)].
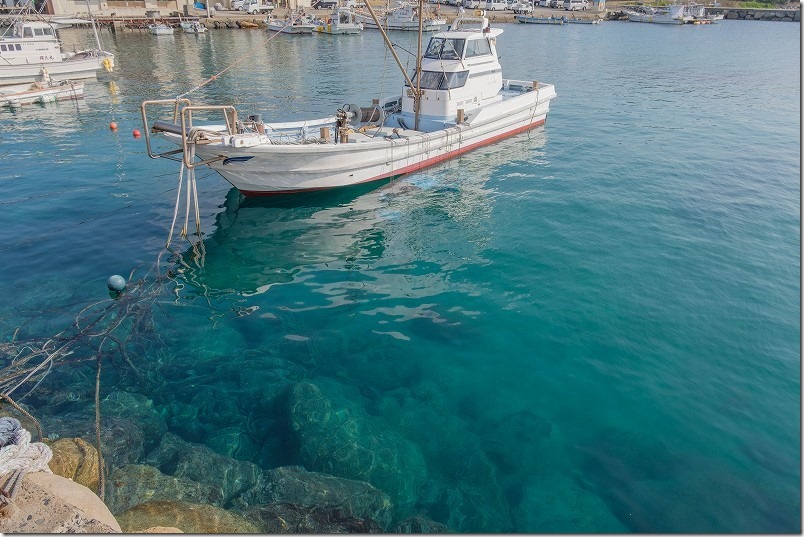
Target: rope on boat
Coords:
[(18, 456)]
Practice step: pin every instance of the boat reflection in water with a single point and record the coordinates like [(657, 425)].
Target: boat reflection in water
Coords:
[(259, 243)]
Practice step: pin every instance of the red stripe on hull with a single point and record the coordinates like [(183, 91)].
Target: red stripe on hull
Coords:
[(406, 169)]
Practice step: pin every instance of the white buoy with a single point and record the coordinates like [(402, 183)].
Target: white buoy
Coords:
[(116, 283)]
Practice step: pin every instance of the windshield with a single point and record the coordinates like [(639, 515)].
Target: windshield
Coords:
[(435, 80), (444, 49)]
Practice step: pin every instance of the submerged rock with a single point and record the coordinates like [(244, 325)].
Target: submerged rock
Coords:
[(188, 517), (48, 503), (76, 459), (339, 438), (289, 518), (559, 505), (420, 524), (138, 409), (134, 484), (196, 462), (296, 486)]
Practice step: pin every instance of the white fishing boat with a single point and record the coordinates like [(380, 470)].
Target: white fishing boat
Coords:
[(672, 14), (192, 27), (458, 101), (405, 16), (160, 29), (342, 21), (292, 24), (43, 93), (29, 46)]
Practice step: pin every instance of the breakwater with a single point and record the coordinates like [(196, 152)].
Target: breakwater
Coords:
[(781, 15)]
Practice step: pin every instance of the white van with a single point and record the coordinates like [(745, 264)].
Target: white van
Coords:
[(575, 5), (474, 4), (496, 5)]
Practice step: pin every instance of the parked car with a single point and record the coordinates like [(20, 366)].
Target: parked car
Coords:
[(237, 5), (522, 7), (544, 3), (576, 5), (324, 4), (258, 6), (496, 5), (557, 3), (473, 4)]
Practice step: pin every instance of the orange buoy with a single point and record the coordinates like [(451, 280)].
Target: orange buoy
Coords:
[(136, 133), (113, 126)]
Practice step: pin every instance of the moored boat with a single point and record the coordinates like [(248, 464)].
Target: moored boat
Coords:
[(160, 29), (573, 20), (405, 17), (459, 101), (29, 46), (527, 19), (342, 21), (672, 14), (192, 27), (293, 24), (38, 92)]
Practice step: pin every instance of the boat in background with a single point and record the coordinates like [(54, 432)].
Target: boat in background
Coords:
[(192, 27), (160, 29), (527, 19), (573, 20), (672, 14), (404, 17), (458, 102), (342, 21), (29, 47), (292, 24), (43, 93)]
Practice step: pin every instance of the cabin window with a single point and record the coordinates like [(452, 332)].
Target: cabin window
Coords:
[(436, 80), (39, 31), (18, 47), (48, 31), (440, 48), (478, 47), (26, 32), (3, 48)]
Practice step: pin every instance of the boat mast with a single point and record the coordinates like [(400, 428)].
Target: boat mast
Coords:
[(417, 98), (94, 29), (390, 46)]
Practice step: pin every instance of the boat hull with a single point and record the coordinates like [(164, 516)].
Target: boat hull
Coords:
[(291, 168), (64, 70), (64, 92), (540, 20)]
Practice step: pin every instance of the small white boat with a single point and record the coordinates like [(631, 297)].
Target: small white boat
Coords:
[(39, 92), (29, 46), (672, 14), (404, 17), (160, 29), (291, 25), (192, 27), (458, 102), (342, 21)]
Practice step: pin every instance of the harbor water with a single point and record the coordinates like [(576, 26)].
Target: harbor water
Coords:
[(591, 327)]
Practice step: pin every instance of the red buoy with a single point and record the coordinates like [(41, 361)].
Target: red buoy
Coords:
[(113, 126), (136, 133)]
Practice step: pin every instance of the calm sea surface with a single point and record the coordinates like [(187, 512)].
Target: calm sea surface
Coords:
[(593, 327)]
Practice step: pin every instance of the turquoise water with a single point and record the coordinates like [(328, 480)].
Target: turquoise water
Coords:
[(593, 327)]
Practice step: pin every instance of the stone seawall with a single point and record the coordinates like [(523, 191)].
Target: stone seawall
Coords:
[(782, 15)]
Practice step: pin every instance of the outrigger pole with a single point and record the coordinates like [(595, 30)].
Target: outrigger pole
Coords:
[(413, 90), (417, 103)]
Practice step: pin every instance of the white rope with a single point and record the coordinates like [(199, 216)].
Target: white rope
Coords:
[(19, 453)]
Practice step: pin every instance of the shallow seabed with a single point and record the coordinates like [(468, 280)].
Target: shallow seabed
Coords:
[(593, 327)]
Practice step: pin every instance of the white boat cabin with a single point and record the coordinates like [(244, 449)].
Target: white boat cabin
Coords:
[(460, 70), (30, 42)]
